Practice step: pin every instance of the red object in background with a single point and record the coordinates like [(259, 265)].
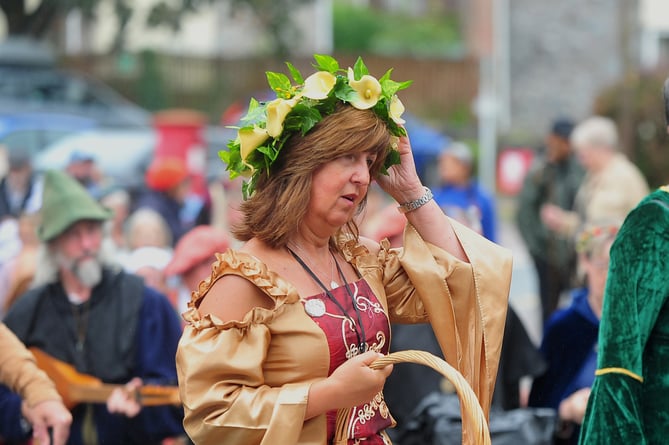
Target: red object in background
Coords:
[(180, 135), (512, 166)]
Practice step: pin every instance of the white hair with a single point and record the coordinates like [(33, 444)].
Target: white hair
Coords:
[(598, 131), (145, 221)]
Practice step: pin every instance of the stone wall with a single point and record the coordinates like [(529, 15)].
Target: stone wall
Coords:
[(561, 54)]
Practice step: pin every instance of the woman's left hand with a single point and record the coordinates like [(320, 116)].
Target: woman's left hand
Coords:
[(402, 181)]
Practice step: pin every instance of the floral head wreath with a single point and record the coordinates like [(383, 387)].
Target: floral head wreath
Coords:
[(298, 108), (587, 237)]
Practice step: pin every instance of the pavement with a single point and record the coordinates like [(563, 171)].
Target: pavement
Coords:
[(524, 294)]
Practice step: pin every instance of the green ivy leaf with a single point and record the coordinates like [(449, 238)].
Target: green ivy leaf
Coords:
[(279, 82), (389, 87), (269, 151), (359, 69), (326, 63), (343, 91), (302, 118), (255, 114), (393, 158), (297, 76), (224, 156)]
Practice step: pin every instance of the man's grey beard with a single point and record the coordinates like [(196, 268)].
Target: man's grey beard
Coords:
[(88, 269)]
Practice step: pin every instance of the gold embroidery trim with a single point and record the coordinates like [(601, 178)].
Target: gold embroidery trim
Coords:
[(665, 188), (624, 371)]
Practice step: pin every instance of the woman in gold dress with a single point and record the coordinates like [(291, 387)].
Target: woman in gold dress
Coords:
[(281, 335)]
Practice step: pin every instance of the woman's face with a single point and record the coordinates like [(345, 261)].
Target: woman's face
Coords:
[(596, 268), (338, 188)]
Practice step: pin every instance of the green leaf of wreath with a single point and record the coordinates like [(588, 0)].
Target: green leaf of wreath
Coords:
[(359, 69), (326, 63), (280, 83), (297, 76)]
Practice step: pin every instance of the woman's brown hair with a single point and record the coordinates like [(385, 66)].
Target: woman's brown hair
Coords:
[(280, 201)]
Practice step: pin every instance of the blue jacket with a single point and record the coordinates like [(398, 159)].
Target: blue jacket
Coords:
[(471, 205)]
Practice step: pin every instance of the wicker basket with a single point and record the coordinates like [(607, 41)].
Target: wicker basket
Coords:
[(474, 423)]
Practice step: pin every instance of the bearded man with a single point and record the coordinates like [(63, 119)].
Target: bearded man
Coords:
[(85, 311)]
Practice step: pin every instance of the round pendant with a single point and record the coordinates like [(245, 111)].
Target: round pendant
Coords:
[(334, 284), (314, 307)]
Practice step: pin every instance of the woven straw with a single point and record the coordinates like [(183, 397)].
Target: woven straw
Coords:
[(474, 423)]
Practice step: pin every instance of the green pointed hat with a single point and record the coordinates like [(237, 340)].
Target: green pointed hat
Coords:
[(65, 202)]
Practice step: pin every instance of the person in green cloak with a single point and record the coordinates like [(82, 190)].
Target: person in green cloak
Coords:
[(629, 402)]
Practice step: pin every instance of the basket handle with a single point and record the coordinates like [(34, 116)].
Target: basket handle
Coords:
[(474, 423)]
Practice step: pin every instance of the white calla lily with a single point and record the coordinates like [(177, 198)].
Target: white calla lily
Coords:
[(396, 109), (368, 90), (318, 85), (250, 139), (277, 110)]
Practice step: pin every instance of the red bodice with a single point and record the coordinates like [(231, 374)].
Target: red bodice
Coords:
[(369, 419)]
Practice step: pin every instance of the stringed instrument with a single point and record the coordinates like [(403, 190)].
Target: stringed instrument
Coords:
[(75, 387)]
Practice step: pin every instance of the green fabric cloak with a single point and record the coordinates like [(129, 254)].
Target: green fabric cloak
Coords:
[(629, 403)]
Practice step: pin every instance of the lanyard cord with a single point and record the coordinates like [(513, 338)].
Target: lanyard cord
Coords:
[(328, 293), (363, 345)]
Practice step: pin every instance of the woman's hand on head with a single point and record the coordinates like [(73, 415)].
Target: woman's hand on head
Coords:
[(402, 181), (351, 384)]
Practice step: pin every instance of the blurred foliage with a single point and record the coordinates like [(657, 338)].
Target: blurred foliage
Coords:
[(649, 142), (150, 87), (38, 19), (359, 30)]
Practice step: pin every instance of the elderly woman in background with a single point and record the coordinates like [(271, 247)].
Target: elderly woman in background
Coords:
[(612, 186), (569, 344), (281, 335)]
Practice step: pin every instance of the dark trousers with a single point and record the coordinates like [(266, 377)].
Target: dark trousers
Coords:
[(553, 280)]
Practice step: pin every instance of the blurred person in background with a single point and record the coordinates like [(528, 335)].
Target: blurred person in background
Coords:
[(21, 188), (82, 167), (612, 185), (226, 199), (553, 179), (168, 188), (629, 402), (17, 273), (149, 263), (146, 228), (147, 247), (20, 197), (569, 343), (117, 200), (459, 194), (192, 261), (84, 311), (41, 405)]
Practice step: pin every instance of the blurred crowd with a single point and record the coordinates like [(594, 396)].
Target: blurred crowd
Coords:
[(144, 232), (577, 192)]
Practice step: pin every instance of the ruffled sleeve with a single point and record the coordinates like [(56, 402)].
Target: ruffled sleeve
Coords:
[(221, 366)]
